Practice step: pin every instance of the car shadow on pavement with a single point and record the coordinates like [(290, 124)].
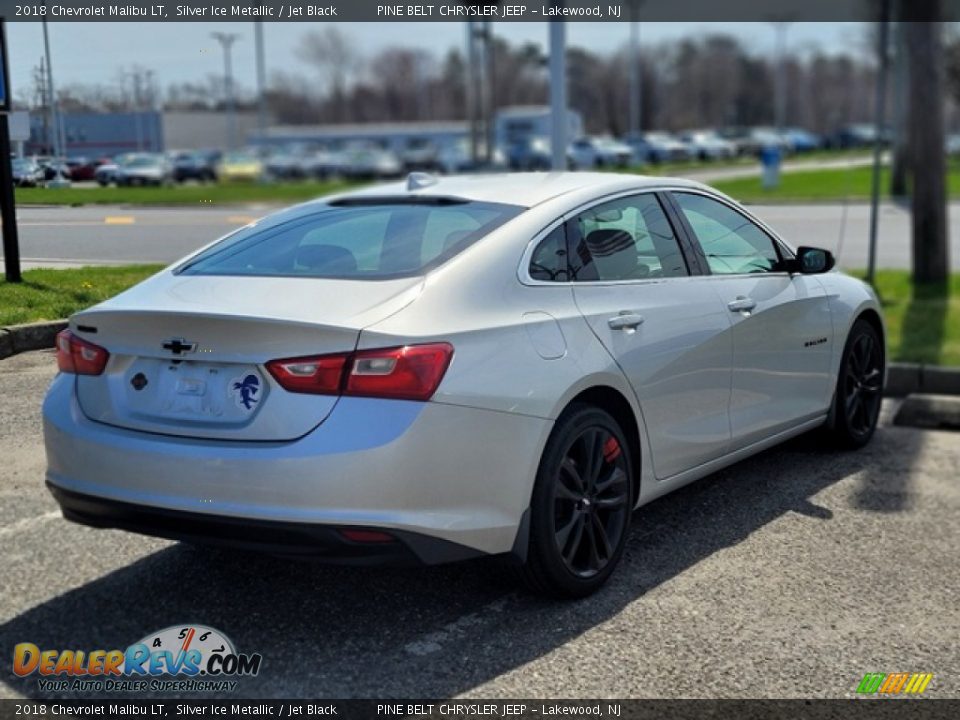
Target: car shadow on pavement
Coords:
[(434, 632)]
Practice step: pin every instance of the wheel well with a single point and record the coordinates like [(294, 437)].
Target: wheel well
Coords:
[(612, 401), (873, 318)]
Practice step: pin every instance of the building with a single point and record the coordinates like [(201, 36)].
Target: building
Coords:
[(97, 134), (512, 124)]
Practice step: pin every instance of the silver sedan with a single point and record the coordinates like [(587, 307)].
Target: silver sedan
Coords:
[(436, 370)]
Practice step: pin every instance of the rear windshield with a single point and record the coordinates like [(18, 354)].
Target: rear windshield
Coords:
[(365, 240)]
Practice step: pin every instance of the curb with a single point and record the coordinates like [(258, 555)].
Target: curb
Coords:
[(910, 378), (32, 336), (902, 378)]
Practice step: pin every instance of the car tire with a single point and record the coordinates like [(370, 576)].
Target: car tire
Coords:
[(859, 390), (581, 505)]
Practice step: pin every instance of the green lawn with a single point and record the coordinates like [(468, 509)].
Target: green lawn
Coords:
[(47, 294), (923, 326), (820, 185), (220, 194)]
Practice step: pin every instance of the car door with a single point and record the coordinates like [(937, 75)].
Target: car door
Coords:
[(662, 323), (781, 329)]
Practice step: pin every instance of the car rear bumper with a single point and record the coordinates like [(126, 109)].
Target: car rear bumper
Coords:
[(321, 542), (455, 474)]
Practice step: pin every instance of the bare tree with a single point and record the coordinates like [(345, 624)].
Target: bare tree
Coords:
[(332, 54)]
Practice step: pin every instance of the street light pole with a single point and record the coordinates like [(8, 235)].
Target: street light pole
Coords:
[(780, 101), (54, 115), (558, 95), (226, 41), (635, 111), (261, 82)]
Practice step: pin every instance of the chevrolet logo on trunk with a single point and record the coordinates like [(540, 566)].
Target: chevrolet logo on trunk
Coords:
[(179, 346)]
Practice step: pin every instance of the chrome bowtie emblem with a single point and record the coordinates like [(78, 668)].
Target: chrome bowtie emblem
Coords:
[(179, 346)]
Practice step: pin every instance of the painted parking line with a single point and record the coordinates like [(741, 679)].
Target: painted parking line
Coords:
[(242, 219), (119, 220)]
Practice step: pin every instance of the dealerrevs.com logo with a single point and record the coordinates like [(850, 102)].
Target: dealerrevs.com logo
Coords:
[(178, 658)]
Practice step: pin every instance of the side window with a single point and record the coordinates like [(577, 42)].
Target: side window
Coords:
[(625, 239), (732, 244), (549, 260)]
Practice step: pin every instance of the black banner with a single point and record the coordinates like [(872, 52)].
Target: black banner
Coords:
[(453, 11), (867, 709)]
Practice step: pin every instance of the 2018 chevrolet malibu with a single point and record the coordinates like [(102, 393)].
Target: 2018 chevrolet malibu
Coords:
[(442, 369)]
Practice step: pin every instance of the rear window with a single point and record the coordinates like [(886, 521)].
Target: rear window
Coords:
[(361, 239)]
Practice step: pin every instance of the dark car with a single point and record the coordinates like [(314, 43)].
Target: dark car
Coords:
[(26, 173), (197, 166)]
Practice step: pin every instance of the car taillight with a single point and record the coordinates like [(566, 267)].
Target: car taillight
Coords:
[(319, 375), (76, 355), (411, 372)]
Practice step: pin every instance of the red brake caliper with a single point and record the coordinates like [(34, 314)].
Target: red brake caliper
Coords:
[(611, 450)]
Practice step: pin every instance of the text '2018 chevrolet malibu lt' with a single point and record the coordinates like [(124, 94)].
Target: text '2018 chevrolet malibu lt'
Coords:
[(443, 369)]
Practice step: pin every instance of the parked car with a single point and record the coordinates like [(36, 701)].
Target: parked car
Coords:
[(52, 167), (448, 368), (419, 154), (106, 173), (239, 166), (803, 140), (587, 153), (193, 165), (659, 147), (858, 136), (754, 140), (144, 169), (286, 166), (81, 169), (26, 173), (325, 164), (708, 145), (530, 153), (369, 162)]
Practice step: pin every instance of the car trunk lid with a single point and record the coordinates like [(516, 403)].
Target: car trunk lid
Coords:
[(187, 354)]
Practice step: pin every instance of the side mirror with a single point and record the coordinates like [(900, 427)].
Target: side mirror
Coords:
[(812, 261)]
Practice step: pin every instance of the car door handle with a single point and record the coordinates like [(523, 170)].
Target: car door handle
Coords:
[(741, 304), (625, 321)]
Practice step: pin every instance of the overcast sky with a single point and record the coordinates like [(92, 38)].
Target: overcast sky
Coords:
[(92, 53)]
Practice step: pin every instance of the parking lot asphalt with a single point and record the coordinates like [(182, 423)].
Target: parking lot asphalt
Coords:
[(791, 574)]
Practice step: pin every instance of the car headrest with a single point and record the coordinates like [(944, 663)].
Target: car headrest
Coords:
[(608, 242), (327, 259)]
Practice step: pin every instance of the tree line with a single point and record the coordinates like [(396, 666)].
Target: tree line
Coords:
[(705, 81)]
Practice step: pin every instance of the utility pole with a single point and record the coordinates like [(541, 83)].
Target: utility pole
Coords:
[(226, 41), (473, 92), (558, 95), (54, 119), (879, 121), (261, 82), (780, 98), (635, 111), (931, 262), (899, 155)]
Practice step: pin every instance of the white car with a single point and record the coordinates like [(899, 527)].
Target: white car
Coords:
[(588, 153), (440, 369), (708, 145)]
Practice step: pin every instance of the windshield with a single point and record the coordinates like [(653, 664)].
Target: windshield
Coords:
[(360, 239)]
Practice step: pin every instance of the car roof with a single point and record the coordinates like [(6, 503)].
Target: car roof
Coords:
[(525, 189)]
